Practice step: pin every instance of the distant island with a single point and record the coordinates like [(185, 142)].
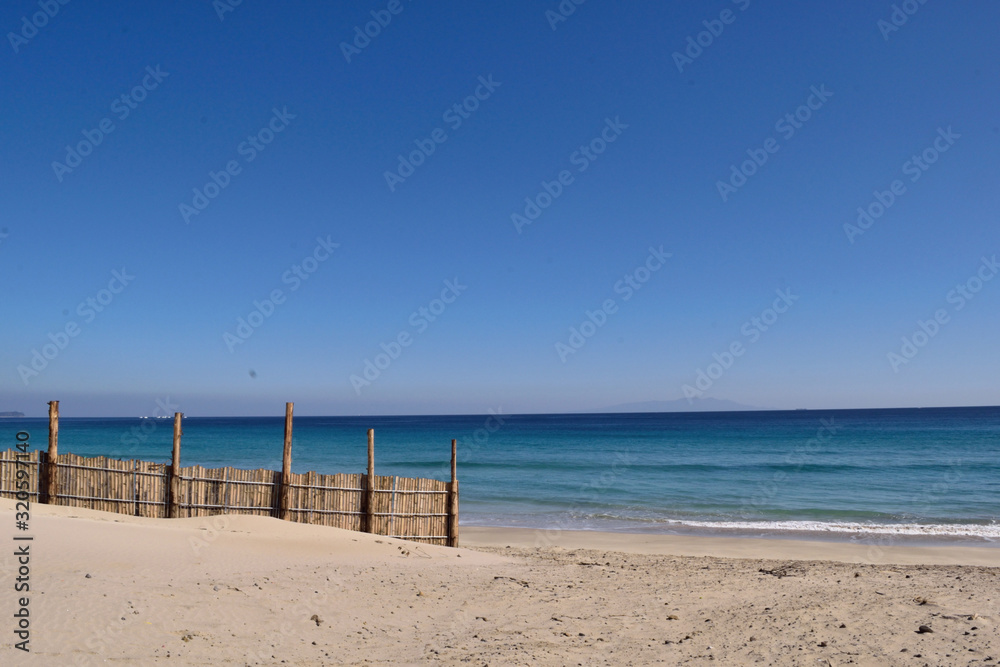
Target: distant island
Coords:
[(681, 405), (11, 414)]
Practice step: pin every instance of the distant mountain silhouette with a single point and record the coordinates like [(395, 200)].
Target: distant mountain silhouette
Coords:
[(11, 414), (681, 405)]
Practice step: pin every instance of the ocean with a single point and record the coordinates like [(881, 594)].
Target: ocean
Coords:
[(913, 476)]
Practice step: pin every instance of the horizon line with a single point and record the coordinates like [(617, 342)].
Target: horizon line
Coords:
[(530, 414)]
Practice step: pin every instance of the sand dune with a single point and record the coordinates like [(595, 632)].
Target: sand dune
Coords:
[(258, 591)]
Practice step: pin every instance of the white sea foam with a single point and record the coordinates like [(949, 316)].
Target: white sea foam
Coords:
[(988, 532), (837, 530)]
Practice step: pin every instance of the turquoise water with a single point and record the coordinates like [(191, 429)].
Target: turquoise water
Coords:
[(931, 474)]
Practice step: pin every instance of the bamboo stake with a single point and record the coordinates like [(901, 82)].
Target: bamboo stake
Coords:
[(286, 465), (173, 509), (312, 497), (369, 498), (453, 498), (52, 472)]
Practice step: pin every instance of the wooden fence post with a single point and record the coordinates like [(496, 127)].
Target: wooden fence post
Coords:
[(369, 501), (453, 498), (51, 468), (286, 466), (174, 489)]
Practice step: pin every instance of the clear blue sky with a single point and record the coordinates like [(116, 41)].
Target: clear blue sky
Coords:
[(278, 72)]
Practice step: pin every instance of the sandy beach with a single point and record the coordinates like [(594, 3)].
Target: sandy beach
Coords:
[(236, 590)]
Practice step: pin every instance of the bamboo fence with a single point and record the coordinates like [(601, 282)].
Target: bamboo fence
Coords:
[(424, 510)]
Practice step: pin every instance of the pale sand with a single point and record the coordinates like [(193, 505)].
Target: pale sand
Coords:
[(243, 590)]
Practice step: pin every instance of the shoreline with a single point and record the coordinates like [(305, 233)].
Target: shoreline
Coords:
[(858, 534), (729, 547)]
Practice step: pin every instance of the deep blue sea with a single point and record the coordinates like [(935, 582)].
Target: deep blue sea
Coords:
[(924, 475)]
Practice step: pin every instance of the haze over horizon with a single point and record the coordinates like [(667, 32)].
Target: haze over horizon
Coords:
[(476, 207), (132, 407)]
